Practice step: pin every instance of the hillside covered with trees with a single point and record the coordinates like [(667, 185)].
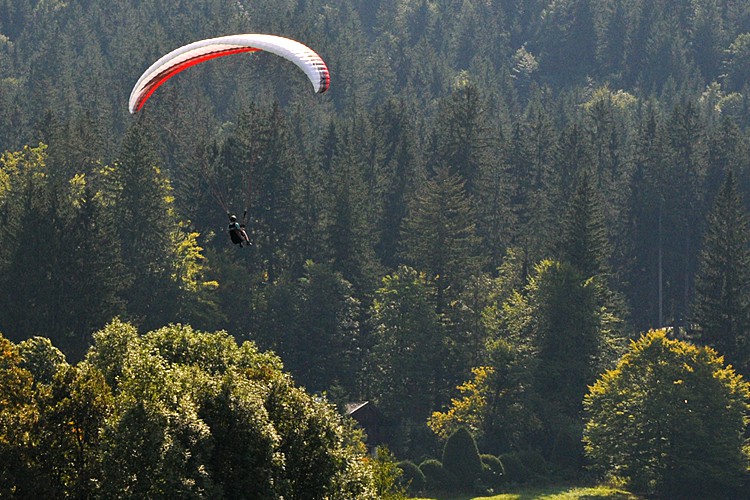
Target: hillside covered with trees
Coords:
[(473, 228)]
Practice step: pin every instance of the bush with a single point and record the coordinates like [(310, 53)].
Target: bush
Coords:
[(412, 478), (493, 473), (515, 470), (436, 477), (534, 463), (461, 458)]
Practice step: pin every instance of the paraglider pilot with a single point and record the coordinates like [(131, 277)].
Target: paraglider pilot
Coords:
[(237, 231)]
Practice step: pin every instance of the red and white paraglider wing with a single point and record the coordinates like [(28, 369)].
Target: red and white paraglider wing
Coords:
[(197, 52)]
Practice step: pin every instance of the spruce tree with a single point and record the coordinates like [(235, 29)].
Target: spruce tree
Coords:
[(646, 225), (145, 222), (402, 169), (585, 245), (464, 140), (350, 232), (567, 338), (685, 169), (439, 235), (583, 241), (722, 303)]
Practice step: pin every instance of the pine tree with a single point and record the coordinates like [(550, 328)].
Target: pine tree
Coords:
[(722, 302), (262, 169), (583, 240), (569, 346), (439, 235), (313, 324), (402, 170), (585, 244), (145, 222), (569, 40), (90, 267), (464, 140), (573, 155), (351, 236), (566, 333), (685, 170), (645, 215)]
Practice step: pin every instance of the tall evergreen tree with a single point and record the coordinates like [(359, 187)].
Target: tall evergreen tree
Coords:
[(686, 169), (569, 39), (145, 223), (402, 171), (585, 245), (464, 140), (439, 235), (351, 236), (568, 343), (722, 303), (583, 239), (645, 214)]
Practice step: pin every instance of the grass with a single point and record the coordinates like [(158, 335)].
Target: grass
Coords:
[(551, 493)]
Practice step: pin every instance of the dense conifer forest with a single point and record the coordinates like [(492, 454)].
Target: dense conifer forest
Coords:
[(473, 229)]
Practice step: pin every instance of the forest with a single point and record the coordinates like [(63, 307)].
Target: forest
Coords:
[(524, 219)]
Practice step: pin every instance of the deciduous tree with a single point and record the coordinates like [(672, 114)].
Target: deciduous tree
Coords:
[(670, 419)]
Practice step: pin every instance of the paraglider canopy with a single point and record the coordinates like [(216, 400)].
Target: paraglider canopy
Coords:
[(203, 50)]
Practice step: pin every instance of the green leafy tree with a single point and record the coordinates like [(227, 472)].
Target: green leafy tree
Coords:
[(494, 403), (18, 413), (41, 358), (73, 410), (388, 476), (468, 411), (195, 414), (113, 346), (408, 351), (722, 302), (670, 419)]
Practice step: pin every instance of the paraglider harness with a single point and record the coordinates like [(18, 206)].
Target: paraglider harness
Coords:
[(237, 230)]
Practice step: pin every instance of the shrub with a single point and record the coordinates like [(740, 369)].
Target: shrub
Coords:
[(412, 478), (461, 458), (534, 462), (493, 473), (515, 470), (388, 475), (436, 477)]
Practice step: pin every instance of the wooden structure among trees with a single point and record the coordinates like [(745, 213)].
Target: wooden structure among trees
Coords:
[(371, 419)]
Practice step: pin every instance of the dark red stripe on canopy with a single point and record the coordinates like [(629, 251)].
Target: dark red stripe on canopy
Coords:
[(162, 77)]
